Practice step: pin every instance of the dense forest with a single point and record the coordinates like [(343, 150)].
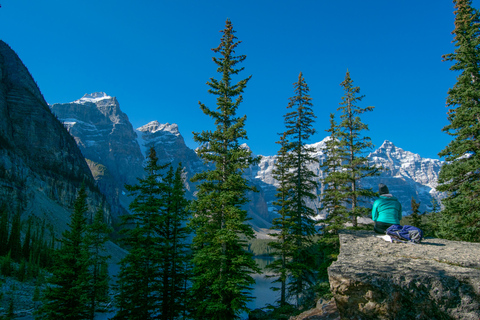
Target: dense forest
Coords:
[(194, 259)]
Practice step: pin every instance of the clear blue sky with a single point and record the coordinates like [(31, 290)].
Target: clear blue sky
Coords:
[(155, 57)]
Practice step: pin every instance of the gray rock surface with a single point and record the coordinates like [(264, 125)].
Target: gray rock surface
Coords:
[(107, 140), (375, 279), (41, 167), (170, 147)]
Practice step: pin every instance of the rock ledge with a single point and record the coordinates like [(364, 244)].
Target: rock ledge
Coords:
[(375, 279)]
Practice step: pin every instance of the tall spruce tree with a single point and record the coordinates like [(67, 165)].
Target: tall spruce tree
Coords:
[(354, 145), (298, 187), (282, 248), (27, 240), (333, 199), (334, 181), (66, 296), (140, 274), (175, 249), (460, 175), (299, 129), (98, 281), (222, 278), (14, 242)]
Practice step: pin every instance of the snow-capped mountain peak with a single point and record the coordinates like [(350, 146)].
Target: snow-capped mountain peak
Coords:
[(155, 126), (319, 147), (388, 149), (93, 97), (246, 147)]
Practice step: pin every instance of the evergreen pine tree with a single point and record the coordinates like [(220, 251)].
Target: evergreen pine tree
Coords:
[(281, 247), (296, 187), (415, 218), (27, 241), (333, 201), (6, 266), (334, 181), (14, 241), (66, 295), (460, 175), (102, 292), (299, 129), (354, 145), (222, 266), (175, 253), (140, 278), (98, 285)]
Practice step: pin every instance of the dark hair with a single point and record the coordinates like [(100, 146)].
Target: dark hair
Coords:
[(382, 189)]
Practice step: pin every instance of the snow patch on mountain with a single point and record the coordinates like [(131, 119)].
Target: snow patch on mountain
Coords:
[(70, 122), (93, 98), (141, 143)]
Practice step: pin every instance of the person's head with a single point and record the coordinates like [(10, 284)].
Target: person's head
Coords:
[(382, 189)]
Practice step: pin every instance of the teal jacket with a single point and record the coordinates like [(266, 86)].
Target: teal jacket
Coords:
[(387, 209)]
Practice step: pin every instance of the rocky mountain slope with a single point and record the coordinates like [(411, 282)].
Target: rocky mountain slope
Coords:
[(41, 166), (107, 140), (114, 150), (115, 153), (171, 148)]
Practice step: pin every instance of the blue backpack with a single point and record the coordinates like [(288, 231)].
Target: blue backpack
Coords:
[(405, 233)]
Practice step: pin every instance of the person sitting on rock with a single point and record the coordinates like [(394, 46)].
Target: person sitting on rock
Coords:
[(386, 211)]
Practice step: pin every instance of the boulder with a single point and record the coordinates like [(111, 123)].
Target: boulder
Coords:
[(375, 279)]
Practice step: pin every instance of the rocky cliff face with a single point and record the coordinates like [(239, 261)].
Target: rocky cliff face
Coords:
[(107, 140), (41, 167), (375, 279), (170, 147)]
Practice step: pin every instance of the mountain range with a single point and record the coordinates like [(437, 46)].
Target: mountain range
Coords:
[(115, 153), (48, 151)]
